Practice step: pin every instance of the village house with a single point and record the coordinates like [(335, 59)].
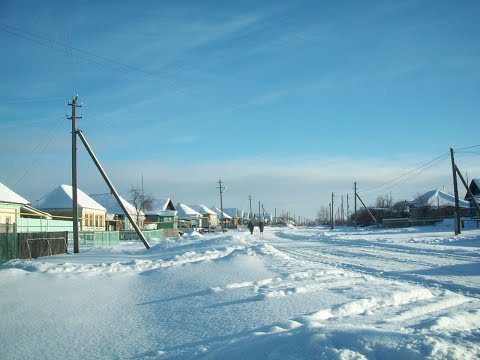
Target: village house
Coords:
[(14, 208), (234, 216), (227, 219), (209, 219), (475, 189), (187, 217), (162, 216), (59, 202), (115, 218)]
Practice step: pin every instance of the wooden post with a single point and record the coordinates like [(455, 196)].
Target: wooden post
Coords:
[(112, 189), (455, 191)]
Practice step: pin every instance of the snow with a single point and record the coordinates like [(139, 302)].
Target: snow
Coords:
[(439, 198), (9, 196), (291, 293), (202, 209), (186, 212)]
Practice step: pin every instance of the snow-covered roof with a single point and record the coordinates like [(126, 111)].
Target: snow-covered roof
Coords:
[(160, 205), (186, 212), (9, 196), (232, 212), (111, 204), (62, 198), (219, 214), (30, 210), (202, 209), (438, 198)]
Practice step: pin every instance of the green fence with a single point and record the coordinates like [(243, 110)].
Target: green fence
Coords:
[(112, 238), (8, 242), (29, 225)]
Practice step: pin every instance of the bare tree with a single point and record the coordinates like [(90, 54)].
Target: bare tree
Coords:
[(323, 215), (142, 202), (384, 201)]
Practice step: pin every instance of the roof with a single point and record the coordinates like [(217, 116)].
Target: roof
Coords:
[(111, 204), (27, 209), (160, 205), (232, 212), (202, 209), (219, 213), (186, 212), (62, 198), (438, 198), (9, 196)]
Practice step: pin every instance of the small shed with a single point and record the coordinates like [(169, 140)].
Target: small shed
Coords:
[(59, 202)]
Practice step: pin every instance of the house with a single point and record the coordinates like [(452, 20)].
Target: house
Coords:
[(209, 219), (115, 217), (59, 202), (234, 215), (163, 215), (475, 189), (187, 217), (436, 204), (10, 205), (227, 219), (13, 207)]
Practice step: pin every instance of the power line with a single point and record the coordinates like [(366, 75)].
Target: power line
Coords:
[(439, 159)]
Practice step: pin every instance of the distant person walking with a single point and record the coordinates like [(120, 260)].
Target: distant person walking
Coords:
[(250, 227), (261, 225)]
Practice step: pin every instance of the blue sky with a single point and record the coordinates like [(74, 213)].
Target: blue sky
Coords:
[(286, 101)]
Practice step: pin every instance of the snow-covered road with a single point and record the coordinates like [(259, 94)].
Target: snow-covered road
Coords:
[(289, 293)]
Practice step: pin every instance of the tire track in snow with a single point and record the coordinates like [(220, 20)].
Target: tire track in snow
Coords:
[(317, 257)]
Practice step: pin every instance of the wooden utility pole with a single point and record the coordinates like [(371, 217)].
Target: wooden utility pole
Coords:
[(112, 189), (333, 216), (355, 201), (74, 117), (455, 191), (222, 189), (250, 215), (259, 211)]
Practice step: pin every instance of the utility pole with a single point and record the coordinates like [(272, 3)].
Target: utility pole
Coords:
[(222, 189), (333, 216), (348, 211), (250, 199), (259, 211), (355, 201), (455, 191), (74, 117), (112, 189), (343, 218)]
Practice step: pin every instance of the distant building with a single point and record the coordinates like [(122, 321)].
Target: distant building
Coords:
[(187, 217), (209, 217), (475, 189)]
